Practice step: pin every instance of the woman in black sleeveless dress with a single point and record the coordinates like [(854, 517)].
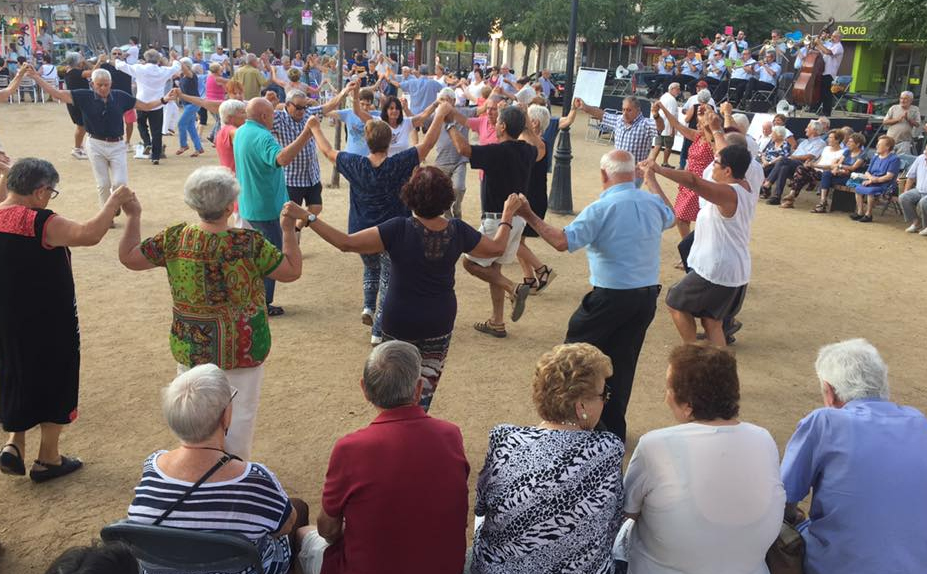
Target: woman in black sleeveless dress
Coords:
[(536, 274), (39, 335)]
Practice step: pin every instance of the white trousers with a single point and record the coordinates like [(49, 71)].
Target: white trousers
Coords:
[(244, 408), (311, 552), (171, 117), (108, 162)]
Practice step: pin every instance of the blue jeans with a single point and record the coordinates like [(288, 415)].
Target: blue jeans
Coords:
[(187, 126), (274, 233), (376, 282)]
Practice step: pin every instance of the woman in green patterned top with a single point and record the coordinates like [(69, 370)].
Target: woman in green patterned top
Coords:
[(216, 274)]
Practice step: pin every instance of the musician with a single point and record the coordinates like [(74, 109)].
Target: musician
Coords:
[(741, 75), (737, 47), (800, 55), (719, 45), (690, 70), (767, 76), (833, 55), (666, 68), (715, 71), (779, 46)]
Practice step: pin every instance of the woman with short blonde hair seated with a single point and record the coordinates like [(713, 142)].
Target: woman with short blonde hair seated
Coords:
[(550, 495), (234, 496), (706, 494)]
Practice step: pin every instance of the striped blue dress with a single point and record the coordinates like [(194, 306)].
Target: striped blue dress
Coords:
[(252, 504)]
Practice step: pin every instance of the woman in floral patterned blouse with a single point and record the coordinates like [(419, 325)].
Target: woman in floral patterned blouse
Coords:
[(216, 275)]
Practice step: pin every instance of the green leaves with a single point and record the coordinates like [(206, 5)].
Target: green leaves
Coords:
[(895, 20)]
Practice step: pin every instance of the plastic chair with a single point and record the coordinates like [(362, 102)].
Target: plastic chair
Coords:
[(889, 198), (185, 550), (27, 85)]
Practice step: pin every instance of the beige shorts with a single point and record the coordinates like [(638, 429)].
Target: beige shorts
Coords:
[(488, 227)]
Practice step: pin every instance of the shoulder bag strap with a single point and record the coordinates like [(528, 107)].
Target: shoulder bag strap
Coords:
[(222, 462)]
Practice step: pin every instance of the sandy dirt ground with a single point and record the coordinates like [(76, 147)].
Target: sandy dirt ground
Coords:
[(817, 279)]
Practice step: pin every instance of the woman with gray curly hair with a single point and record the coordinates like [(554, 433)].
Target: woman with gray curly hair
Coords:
[(549, 497), (216, 273), (229, 494)]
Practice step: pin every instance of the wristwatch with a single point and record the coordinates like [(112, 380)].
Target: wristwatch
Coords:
[(311, 218), (449, 126)]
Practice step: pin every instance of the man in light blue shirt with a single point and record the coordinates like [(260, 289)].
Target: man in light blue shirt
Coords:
[(737, 46), (666, 69), (422, 91), (784, 169), (622, 231), (741, 74), (690, 70), (767, 76), (864, 459)]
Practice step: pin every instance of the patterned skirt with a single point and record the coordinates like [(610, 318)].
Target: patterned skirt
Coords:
[(434, 354)]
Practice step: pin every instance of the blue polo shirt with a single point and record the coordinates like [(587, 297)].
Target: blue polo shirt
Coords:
[(103, 118), (622, 231), (263, 188), (422, 92)]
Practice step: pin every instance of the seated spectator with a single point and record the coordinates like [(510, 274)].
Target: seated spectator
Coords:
[(236, 496), (809, 149), (864, 459), (777, 149), (781, 120), (395, 495), (914, 199), (765, 138), (878, 179), (550, 495), (110, 558), (705, 494), (811, 171), (852, 161)]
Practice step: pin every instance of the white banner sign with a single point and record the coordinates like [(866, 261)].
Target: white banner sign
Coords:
[(590, 83)]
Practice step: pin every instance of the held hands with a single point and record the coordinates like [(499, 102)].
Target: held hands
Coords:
[(174, 94), (133, 207), (292, 213), (121, 196), (512, 206), (444, 110), (648, 167), (714, 120), (312, 122), (727, 109)]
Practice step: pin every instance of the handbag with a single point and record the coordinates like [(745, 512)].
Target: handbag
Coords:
[(787, 553)]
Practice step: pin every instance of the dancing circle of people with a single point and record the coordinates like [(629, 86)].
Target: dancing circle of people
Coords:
[(707, 495)]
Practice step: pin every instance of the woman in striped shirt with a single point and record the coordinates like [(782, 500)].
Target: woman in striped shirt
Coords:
[(240, 497)]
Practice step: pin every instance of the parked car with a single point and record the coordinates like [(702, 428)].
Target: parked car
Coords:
[(559, 79), (62, 47)]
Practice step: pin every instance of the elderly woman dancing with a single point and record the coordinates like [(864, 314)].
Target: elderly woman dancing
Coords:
[(235, 495), (39, 335), (420, 306), (215, 273), (550, 495)]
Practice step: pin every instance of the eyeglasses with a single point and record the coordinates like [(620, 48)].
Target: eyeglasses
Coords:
[(234, 392), (53, 193), (605, 394)]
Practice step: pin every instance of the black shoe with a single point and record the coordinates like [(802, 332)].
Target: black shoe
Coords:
[(774, 200), (67, 466), (154, 162), (855, 216), (735, 326), (865, 219), (274, 311), (12, 463), (729, 340)]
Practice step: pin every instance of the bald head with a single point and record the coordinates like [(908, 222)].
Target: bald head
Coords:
[(617, 166), (261, 111)]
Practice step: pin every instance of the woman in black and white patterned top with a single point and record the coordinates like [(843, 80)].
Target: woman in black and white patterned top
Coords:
[(551, 495), (240, 497)]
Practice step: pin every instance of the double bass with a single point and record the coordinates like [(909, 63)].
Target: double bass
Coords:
[(807, 87)]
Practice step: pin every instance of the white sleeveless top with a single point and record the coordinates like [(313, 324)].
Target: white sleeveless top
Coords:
[(721, 251)]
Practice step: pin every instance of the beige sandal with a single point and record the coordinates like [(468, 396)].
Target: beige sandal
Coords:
[(491, 328)]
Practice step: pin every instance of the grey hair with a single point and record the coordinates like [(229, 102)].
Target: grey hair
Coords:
[(209, 190), (539, 114), (742, 121), (251, 59), (152, 56), (186, 60), (612, 166), (101, 74), (525, 95), (197, 69), (29, 174), (854, 369), (633, 101), (72, 59), (295, 95), (391, 374), (229, 108), (816, 126), (825, 123), (194, 402), (906, 94), (735, 138), (780, 131), (704, 96), (447, 93), (673, 85)]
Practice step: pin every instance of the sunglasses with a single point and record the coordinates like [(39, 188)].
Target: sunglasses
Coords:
[(299, 108)]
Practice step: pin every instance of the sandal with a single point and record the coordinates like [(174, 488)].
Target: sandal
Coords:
[(518, 299), (787, 203), (180, 151), (12, 463), (274, 311), (67, 466), (819, 208), (491, 328), (545, 277), (532, 283)]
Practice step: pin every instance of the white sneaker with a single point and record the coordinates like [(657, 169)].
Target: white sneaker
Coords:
[(923, 232), (374, 340), (79, 153), (912, 229), (367, 317)]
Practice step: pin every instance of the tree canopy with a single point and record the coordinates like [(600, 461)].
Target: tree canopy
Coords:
[(894, 20)]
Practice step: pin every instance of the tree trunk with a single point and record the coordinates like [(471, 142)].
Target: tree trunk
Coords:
[(431, 52), (336, 177), (143, 24), (542, 53), (524, 64)]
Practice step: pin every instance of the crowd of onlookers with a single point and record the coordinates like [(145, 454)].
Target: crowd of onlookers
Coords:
[(707, 494)]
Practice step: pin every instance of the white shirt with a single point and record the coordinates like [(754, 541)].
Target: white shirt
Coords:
[(830, 156), (694, 100), (918, 171), (762, 143), (150, 79), (400, 141), (832, 62), (754, 177), (461, 97), (672, 106), (721, 250), (132, 55), (50, 74), (218, 58), (752, 146), (710, 497), (476, 90)]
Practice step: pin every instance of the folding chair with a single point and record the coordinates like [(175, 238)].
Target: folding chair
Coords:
[(27, 85), (889, 199), (842, 83), (596, 129), (769, 97), (185, 550)]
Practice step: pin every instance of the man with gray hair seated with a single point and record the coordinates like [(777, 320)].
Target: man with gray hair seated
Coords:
[(395, 495), (808, 149), (622, 230), (864, 459)]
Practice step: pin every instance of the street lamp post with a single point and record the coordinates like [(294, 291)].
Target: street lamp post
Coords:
[(561, 190)]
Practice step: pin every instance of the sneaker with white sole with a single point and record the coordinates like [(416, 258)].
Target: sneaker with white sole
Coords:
[(923, 232), (367, 317), (912, 229), (79, 153), (374, 340)]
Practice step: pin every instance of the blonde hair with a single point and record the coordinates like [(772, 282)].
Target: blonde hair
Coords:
[(565, 375)]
